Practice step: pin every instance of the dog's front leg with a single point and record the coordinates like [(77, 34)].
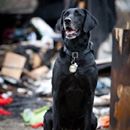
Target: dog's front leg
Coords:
[(86, 124), (48, 120), (93, 122), (56, 120), (90, 122)]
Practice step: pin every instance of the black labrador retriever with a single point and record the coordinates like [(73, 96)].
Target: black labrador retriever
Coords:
[(74, 75)]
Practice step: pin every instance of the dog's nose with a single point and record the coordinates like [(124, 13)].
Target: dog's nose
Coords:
[(67, 20)]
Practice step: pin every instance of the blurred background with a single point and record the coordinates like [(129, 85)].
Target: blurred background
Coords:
[(29, 45)]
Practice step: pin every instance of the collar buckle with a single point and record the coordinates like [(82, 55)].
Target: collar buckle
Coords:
[(75, 55)]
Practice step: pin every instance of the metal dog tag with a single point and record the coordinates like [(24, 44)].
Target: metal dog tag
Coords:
[(73, 68)]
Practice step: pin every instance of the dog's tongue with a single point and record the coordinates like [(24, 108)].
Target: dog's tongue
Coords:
[(70, 32)]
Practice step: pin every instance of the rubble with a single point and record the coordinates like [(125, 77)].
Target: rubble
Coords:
[(25, 77), (26, 73)]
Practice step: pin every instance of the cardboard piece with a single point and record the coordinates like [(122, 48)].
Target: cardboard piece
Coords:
[(13, 65)]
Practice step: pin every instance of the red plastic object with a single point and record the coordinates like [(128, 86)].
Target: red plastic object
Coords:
[(5, 101), (38, 125), (4, 112), (104, 121)]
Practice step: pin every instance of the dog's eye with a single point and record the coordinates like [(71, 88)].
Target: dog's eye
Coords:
[(66, 14), (76, 13)]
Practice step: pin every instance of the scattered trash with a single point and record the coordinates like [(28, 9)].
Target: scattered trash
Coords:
[(26, 73), (4, 112), (35, 117), (104, 122), (44, 28), (41, 124), (101, 111), (44, 87), (102, 100), (38, 73), (28, 91), (103, 86), (5, 101)]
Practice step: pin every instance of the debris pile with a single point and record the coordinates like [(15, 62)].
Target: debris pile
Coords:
[(25, 81), (27, 55)]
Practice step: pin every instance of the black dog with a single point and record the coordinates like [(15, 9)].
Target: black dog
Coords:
[(74, 75)]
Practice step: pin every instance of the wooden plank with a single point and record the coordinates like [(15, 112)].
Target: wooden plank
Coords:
[(37, 73), (120, 91)]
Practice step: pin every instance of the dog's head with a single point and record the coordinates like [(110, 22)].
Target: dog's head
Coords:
[(73, 21)]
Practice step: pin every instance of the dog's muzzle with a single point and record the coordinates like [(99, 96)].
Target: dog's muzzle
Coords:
[(70, 31)]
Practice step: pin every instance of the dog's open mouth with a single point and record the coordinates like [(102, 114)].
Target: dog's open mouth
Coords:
[(71, 33)]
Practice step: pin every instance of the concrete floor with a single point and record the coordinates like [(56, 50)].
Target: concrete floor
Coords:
[(15, 124)]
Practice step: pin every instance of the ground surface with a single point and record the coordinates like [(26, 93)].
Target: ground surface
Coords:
[(15, 124)]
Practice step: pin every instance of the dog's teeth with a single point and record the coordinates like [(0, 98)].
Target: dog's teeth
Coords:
[(70, 32)]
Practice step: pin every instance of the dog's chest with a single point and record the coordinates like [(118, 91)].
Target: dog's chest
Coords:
[(74, 87), (72, 91), (74, 84)]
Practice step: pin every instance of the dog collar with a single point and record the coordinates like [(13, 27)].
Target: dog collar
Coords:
[(75, 55)]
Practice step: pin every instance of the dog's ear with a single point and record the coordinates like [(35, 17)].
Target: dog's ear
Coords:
[(90, 21), (59, 24)]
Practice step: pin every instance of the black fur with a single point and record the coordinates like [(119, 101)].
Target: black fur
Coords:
[(73, 93)]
